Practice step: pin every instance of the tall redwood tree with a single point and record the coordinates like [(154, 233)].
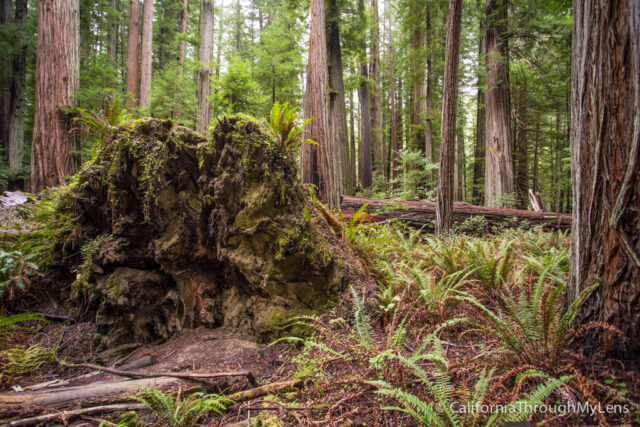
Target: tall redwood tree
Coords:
[(605, 140), (317, 161), (54, 151)]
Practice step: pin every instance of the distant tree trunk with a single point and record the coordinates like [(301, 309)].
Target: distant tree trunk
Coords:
[(182, 29), (238, 34), (205, 57), (376, 106), (418, 92), (6, 18), (458, 168), (428, 146), (534, 182), (522, 152), (337, 109), (219, 47), (477, 191), (133, 57), (53, 149), (393, 150), (498, 182), (113, 30), (15, 142), (145, 54), (365, 164), (317, 162), (352, 142), (605, 140), (400, 116), (444, 209)]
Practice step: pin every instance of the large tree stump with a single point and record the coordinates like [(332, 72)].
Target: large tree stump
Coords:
[(179, 231)]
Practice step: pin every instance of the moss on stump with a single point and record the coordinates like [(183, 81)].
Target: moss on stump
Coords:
[(180, 231)]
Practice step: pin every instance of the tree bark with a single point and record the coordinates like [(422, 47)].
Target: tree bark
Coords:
[(477, 191), (6, 18), (428, 147), (522, 149), (337, 108), (376, 105), (133, 56), (458, 168), (205, 57), (393, 155), (444, 210), (498, 183), (145, 53), (352, 142), (317, 161), (53, 149), (365, 164), (182, 29), (365, 167), (15, 147), (605, 139), (418, 91), (113, 31)]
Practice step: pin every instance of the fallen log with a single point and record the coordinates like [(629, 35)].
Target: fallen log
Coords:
[(66, 415), (257, 392), (183, 375), (79, 393), (424, 213)]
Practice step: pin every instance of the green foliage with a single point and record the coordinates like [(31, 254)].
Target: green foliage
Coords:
[(18, 361), (16, 271), (439, 410), (236, 91), (106, 121), (9, 323), (287, 126), (533, 325), (173, 95), (182, 411)]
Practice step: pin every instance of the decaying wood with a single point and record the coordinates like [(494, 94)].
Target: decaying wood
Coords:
[(536, 201), (424, 213), (183, 375), (136, 364), (66, 415), (9, 401), (254, 393)]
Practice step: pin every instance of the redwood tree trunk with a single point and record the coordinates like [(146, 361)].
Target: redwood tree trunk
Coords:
[(418, 92), (57, 73), (365, 168), (337, 108), (133, 57), (477, 190), (205, 56), (605, 139), (182, 29), (393, 155), (376, 106), (428, 147), (317, 161), (365, 164), (15, 147), (444, 211), (145, 53), (6, 17), (498, 182)]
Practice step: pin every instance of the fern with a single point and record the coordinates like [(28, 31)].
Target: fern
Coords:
[(182, 412), (287, 126)]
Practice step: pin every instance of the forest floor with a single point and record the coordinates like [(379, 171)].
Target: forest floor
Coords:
[(450, 323)]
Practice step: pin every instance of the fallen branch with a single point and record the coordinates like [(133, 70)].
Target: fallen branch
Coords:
[(424, 213), (12, 401), (254, 393), (65, 415), (182, 375)]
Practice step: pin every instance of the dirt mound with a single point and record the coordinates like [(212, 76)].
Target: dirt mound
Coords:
[(179, 231)]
